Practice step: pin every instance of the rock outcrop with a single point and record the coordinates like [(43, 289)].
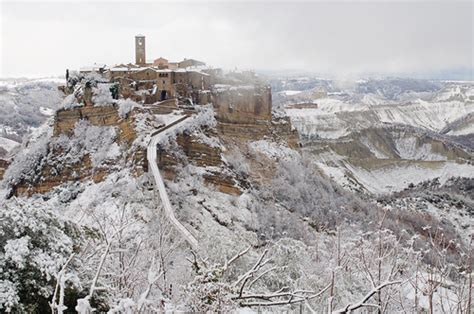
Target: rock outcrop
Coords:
[(278, 129), (244, 114), (202, 155), (66, 119), (53, 176), (55, 171)]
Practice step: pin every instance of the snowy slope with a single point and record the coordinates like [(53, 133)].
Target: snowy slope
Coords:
[(335, 118), (380, 136), (25, 105), (8, 144)]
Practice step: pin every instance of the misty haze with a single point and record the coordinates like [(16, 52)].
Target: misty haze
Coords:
[(237, 157)]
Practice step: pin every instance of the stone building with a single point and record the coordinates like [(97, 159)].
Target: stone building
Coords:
[(161, 63), (170, 79), (238, 97), (245, 104), (140, 51), (143, 74)]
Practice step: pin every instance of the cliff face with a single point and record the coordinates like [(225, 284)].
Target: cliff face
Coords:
[(235, 139), (66, 119), (188, 149), (277, 129), (243, 116), (201, 155), (53, 176), (63, 162)]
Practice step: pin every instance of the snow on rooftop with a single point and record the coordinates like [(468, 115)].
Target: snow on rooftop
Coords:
[(94, 67), (120, 69), (290, 92)]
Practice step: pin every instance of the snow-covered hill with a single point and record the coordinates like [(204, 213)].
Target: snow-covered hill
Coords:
[(372, 135), (24, 106), (280, 226)]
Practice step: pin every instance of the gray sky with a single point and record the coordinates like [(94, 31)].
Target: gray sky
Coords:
[(345, 39)]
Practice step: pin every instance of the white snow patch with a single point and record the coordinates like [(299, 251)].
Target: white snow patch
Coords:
[(392, 179), (8, 144), (46, 111), (290, 92), (273, 150)]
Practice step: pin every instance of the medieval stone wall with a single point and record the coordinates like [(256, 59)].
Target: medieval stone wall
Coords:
[(243, 104)]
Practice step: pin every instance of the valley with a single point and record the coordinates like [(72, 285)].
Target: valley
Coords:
[(292, 186)]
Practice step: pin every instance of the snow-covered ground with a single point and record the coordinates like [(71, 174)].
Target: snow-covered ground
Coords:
[(401, 121), (334, 118), (290, 92), (8, 144), (397, 178)]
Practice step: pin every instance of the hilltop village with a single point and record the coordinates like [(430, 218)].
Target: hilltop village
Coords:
[(126, 97), (239, 97)]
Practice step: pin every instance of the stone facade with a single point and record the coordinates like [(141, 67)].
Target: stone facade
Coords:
[(243, 104), (145, 74), (161, 63)]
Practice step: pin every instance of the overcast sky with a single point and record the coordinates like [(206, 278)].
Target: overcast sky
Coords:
[(328, 37)]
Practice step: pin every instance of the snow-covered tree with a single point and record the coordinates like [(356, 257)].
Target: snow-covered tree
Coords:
[(35, 244)]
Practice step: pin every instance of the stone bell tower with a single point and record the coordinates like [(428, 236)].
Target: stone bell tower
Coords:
[(140, 50)]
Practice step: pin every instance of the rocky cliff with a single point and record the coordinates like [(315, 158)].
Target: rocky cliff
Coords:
[(78, 135), (188, 147), (66, 119)]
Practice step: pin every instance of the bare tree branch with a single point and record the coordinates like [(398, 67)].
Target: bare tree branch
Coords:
[(361, 303), (292, 297)]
